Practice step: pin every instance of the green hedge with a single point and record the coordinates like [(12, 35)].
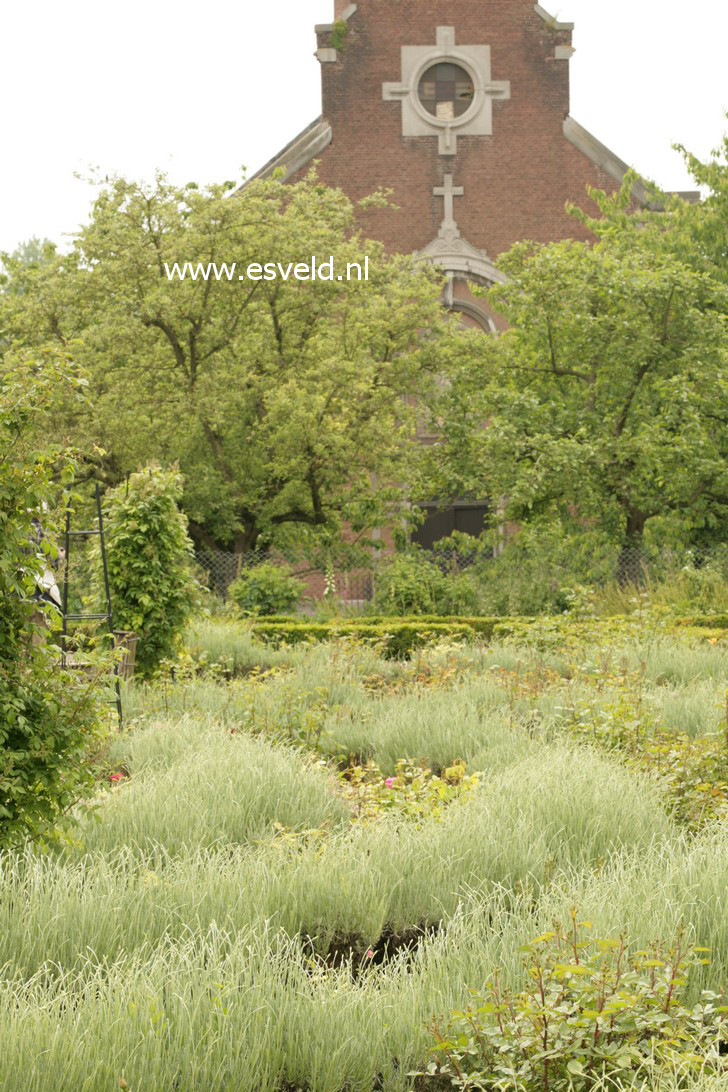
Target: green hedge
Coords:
[(482, 625), (398, 638), (704, 633), (707, 621)]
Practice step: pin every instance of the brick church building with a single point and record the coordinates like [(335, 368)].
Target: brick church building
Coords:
[(461, 109)]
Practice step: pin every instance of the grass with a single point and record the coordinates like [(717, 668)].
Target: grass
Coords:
[(697, 708), (221, 918), (195, 785)]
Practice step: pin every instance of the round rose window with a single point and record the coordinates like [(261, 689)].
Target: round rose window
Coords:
[(446, 91)]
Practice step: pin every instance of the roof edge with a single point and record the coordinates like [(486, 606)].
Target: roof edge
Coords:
[(327, 28), (552, 21), (299, 151), (599, 154)]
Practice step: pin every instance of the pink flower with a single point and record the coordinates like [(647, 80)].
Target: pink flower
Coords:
[(117, 776), (389, 782), (370, 954)]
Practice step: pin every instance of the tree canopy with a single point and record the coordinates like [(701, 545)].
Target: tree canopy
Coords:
[(290, 406), (694, 232), (607, 398), (285, 403)]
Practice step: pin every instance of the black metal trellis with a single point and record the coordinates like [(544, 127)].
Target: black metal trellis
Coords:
[(81, 617)]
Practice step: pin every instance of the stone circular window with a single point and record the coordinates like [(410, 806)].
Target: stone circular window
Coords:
[(446, 91)]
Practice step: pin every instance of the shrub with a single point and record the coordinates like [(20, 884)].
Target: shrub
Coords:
[(705, 621), (692, 770), (266, 589), (461, 594), (592, 1010), (397, 637), (149, 557), (409, 584), (413, 792), (412, 584), (540, 570), (49, 719)]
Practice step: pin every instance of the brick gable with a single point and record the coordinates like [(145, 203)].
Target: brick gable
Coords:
[(516, 181)]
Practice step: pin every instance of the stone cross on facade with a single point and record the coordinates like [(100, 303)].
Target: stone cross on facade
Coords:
[(449, 192), (453, 253)]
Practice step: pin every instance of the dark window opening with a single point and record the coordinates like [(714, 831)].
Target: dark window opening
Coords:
[(469, 519), (446, 91)]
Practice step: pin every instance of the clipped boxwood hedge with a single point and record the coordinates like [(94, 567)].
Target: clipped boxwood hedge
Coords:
[(702, 633), (482, 625), (398, 637), (707, 621)]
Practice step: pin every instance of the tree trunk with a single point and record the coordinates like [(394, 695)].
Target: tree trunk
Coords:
[(246, 540), (202, 538), (630, 566)]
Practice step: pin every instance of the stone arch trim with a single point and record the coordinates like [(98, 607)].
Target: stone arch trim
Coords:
[(475, 312), (460, 259)]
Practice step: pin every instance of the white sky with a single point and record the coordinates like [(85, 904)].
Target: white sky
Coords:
[(201, 89)]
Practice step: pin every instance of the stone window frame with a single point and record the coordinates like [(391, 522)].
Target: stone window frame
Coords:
[(474, 311), (417, 120), (426, 114)]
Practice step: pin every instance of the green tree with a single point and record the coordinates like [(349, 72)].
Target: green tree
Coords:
[(285, 403), (49, 722), (16, 272), (706, 224), (693, 232), (607, 397)]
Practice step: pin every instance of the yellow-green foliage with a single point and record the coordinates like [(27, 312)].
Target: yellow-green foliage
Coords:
[(149, 556)]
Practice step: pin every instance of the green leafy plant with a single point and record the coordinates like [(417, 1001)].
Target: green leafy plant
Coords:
[(409, 584), (149, 560), (338, 36), (412, 584), (267, 589), (545, 568), (592, 1010), (693, 770), (49, 718), (413, 792)]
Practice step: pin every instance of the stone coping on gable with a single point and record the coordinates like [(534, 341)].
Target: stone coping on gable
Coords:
[(298, 152), (551, 20)]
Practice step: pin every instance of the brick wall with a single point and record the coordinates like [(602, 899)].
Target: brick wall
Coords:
[(516, 181)]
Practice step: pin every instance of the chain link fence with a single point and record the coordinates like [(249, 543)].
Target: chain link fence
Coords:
[(354, 584)]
